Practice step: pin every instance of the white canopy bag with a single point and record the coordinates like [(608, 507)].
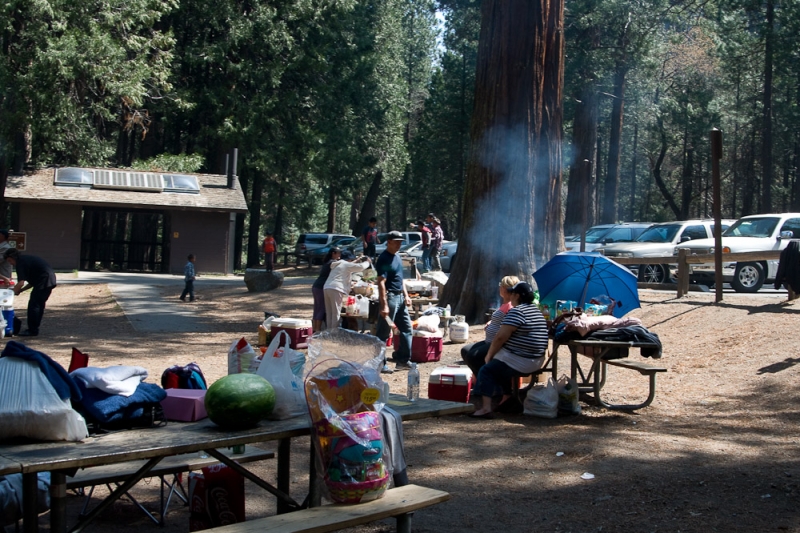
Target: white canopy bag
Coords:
[(30, 406)]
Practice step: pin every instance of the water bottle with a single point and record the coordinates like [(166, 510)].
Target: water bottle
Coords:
[(413, 383), (447, 310)]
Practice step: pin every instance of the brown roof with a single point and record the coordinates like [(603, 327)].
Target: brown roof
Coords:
[(39, 187)]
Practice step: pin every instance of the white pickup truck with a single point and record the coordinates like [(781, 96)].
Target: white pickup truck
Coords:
[(754, 233)]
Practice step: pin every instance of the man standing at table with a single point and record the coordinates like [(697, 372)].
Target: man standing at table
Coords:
[(32, 273), (393, 299)]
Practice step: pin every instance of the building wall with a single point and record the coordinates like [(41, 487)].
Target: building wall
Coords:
[(53, 233), (203, 234)]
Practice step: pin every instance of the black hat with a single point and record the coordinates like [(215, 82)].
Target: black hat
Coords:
[(524, 290), (394, 236), (335, 249)]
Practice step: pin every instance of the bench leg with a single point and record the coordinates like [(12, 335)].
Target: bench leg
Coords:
[(630, 407), (404, 523), (30, 514)]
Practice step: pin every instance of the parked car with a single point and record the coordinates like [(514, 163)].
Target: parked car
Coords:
[(308, 242), (603, 234), (659, 240), (317, 255), (410, 238), (754, 233), (447, 257)]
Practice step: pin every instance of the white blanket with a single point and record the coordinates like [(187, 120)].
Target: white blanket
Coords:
[(121, 379)]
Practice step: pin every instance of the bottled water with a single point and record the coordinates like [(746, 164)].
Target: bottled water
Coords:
[(413, 383)]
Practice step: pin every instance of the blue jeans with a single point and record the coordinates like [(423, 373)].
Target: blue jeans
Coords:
[(426, 258), (398, 312), (495, 378), (188, 289)]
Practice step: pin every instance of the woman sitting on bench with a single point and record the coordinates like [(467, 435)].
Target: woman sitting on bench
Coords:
[(517, 350), (474, 354)]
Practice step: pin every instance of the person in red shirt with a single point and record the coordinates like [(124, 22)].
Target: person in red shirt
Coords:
[(270, 247)]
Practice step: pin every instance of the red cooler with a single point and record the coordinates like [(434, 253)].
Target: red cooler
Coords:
[(299, 331), (451, 383), (423, 349)]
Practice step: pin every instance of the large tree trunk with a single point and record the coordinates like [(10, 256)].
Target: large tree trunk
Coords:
[(370, 203), (512, 204), (610, 192), (584, 141), (766, 136), (331, 209), (254, 231)]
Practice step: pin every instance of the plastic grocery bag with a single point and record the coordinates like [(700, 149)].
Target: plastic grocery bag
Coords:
[(568, 396), (31, 407), (276, 367), (240, 356), (542, 400)]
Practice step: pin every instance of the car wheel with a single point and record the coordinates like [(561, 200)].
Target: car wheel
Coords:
[(654, 273), (749, 277)]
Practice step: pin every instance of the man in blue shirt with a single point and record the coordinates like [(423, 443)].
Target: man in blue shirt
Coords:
[(394, 299)]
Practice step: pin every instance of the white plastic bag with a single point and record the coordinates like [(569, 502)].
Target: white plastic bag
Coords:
[(542, 400), (30, 406), (568, 396), (276, 367), (240, 356)]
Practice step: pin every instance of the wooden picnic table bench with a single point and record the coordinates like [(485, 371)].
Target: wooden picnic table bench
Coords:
[(397, 502), (614, 353), (118, 473)]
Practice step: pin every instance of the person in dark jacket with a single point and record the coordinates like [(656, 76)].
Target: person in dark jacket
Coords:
[(32, 273)]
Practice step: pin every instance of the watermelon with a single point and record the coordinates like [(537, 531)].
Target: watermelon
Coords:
[(239, 401)]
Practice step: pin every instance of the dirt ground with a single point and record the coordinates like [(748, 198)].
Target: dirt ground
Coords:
[(718, 450)]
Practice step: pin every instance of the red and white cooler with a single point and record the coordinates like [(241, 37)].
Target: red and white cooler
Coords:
[(452, 383), (298, 329)]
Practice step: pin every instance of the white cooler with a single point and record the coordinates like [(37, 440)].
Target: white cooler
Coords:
[(452, 383)]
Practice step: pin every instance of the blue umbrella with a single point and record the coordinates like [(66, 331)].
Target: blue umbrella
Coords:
[(581, 276)]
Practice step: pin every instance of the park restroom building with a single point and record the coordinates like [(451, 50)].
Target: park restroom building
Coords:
[(126, 221)]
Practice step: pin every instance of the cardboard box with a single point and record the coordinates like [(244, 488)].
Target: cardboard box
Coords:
[(299, 331), (423, 349), (451, 383), (184, 405)]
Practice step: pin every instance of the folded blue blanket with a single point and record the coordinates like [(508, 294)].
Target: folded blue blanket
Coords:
[(61, 381), (105, 408)]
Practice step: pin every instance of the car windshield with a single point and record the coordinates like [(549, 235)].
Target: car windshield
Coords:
[(660, 233), (752, 227), (341, 241)]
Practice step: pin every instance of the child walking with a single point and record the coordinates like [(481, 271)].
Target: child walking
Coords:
[(188, 276)]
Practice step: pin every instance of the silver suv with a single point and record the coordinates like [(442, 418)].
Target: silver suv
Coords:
[(311, 241), (754, 233), (597, 236), (659, 240)]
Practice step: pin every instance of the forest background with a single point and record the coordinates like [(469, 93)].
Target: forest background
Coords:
[(346, 109)]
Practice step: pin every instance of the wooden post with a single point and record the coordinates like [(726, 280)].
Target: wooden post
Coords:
[(683, 273), (716, 155)]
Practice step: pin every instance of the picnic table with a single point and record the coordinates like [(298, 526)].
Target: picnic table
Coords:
[(604, 353), (153, 444)]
